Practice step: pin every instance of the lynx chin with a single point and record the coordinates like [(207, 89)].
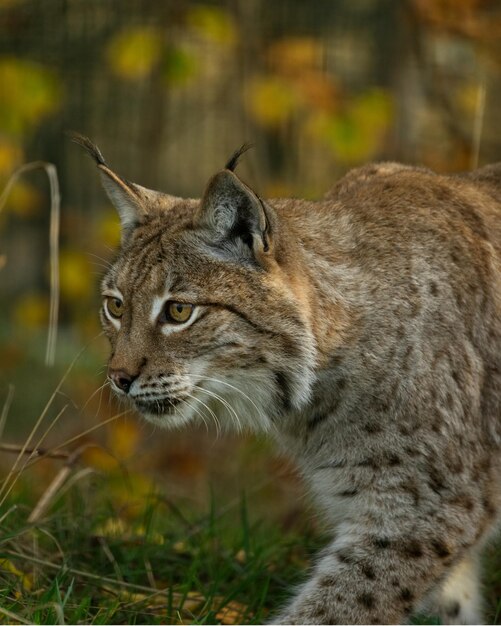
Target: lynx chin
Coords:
[(363, 333)]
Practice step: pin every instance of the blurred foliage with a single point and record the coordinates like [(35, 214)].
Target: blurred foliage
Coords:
[(219, 567), (10, 156), (356, 132), (29, 94), (464, 17), (31, 312), (354, 128), (168, 90), (212, 23), (134, 52)]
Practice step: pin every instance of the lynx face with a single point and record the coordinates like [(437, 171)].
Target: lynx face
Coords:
[(199, 309)]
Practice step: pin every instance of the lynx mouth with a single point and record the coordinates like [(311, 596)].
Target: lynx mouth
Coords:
[(157, 407)]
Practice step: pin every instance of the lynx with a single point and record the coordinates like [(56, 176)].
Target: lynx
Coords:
[(363, 333)]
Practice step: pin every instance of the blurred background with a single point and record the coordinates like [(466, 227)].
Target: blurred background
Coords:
[(169, 90)]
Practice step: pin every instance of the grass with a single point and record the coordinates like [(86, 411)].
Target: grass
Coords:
[(92, 562), (100, 558), (88, 536)]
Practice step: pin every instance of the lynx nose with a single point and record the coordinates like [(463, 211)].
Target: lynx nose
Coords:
[(122, 379)]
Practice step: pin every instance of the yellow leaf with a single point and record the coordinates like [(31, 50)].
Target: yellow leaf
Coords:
[(271, 101), (296, 54), (232, 613), (153, 537), (213, 23), (193, 600), (241, 556), (356, 133), (76, 278), (317, 90), (11, 156), (10, 3), (25, 579), (372, 110), (180, 547), (23, 200), (470, 97), (133, 53), (108, 229), (131, 495), (29, 93), (179, 66), (117, 528), (31, 311), (112, 527), (124, 437), (100, 459), (278, 189)]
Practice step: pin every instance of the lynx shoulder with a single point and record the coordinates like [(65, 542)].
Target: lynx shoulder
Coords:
[(363, 333)]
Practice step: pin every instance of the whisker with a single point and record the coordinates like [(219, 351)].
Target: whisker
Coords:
[(199, 413), (223, 382), (224, 403), (107, 383), (106, 262), (211, 412)]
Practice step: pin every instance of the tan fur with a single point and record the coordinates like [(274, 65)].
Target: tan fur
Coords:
[(363, 332)]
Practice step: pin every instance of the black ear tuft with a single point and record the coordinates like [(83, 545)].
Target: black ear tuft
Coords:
[(87, 144), (233, 162)]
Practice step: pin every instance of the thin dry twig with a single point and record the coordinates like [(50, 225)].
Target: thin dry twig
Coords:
[(77, 476), (49, 494), (5, 488), (111, 558), (13, 508), (55, 449), (6, 408), (13, 616), (15, 448), (101, 579), (55, 219)]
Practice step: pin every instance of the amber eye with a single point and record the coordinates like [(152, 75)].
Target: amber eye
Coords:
[(178, 312), (114, 306)]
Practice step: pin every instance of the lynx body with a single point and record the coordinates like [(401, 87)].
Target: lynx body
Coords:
[(363, 333)]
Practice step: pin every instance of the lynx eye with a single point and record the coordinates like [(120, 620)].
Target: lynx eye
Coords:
[(114, 306), (177, 312)]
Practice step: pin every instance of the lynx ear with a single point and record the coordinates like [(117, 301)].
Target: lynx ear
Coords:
[(235, 216), (132, 202)]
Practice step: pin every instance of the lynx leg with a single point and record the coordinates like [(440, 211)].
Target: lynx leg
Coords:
[(373, 574), (458, 601)]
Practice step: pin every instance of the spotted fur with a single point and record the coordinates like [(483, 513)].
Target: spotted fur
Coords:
[(362, 332)]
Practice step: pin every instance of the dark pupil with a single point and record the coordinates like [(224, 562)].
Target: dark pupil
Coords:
[(179, 308), (118, 304)]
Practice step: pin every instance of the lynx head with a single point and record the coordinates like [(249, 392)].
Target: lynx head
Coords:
[(203, 306)]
